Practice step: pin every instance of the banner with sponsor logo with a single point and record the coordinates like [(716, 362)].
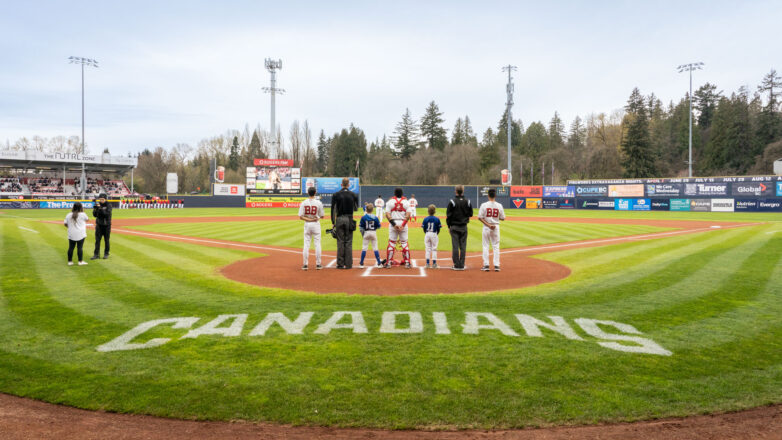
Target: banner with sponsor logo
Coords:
[(526, 191), (328, 185), (518, 203), (779, 189), (769, 205), (502, 191), (680, 204), (559, 191), (664, 189), (273, 162), (705, 189), (550, 203), (632, 205), (700, 205), (227, 189), (595, 204), (623, 204), (746, 205), (273, 202), (592, 191), (63, 204), (757, 189), (661, 205), (625, 190), (722, 205), (534, 204), (568, 203)]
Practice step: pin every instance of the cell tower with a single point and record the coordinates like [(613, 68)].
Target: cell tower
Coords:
[(509, 105), (272, 66)]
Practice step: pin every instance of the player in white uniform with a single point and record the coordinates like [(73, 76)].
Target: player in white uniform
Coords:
[(379, 204), (490, 215), (311, 211), (398, 214), (413, 205)]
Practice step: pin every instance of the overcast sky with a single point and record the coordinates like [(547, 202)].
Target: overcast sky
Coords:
[(179, 71)]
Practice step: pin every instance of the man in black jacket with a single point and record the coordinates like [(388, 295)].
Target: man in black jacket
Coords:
[(102, 214), (457, 215), (343, 204)]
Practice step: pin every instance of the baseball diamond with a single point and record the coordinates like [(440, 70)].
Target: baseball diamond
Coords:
[(206, 314)]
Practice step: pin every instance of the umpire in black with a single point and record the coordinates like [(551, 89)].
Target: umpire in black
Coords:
[(343, 204), (102, 214), (457, 215)]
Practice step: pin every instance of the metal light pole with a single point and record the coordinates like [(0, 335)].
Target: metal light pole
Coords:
[(272, 66), (509, 90), (689, 68), (83, 62)]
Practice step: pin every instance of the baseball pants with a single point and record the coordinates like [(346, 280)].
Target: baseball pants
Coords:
[(431, 239), (459, 245), (311, 233), (344, 241), (491, 237), (369, 240)]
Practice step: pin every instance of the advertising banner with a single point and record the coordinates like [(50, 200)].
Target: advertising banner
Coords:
[(518, 203), (328, 185), (273, 202), (569, 203), (502, 191), (705, 189), (526, 191), (623, 204), (625, 191), (550, 203), (273, 162), (664, 189), (227, 189), (700, 205), (642, 205), (592, 191), (63, 204), (779, 189), (757, 189), (606, 204), (534, 204), (722, 205), (680, 204), (769, 205), (559, 191), (172, 183), (588, 204), (746, 205), (661, 205)]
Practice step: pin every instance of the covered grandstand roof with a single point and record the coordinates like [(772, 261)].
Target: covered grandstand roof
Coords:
[(56, 161)]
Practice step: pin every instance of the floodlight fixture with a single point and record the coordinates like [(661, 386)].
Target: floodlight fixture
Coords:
[(689, 68)]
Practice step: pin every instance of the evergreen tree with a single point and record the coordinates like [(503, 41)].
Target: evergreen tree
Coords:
[(469, 134), (323, 153), (705, 102), (457, 135), (431, 128), (255, 147), (348, 147), (406, 136), (515, 134), (733, 146), (577, 135), (556, 132), (535, 141), (638, 157), (769, 120), (489, 151), (233, 158), (385, 144)]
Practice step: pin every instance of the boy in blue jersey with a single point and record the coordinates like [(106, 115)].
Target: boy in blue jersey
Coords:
[(431, 227), (368, 226)]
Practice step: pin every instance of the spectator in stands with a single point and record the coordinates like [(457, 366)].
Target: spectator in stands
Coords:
[(102, 214)]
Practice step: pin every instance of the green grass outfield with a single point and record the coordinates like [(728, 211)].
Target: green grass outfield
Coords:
[(713, 300)]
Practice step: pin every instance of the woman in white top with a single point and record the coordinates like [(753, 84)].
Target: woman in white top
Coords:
[(76, 222)]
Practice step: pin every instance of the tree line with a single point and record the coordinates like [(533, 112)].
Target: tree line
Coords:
[(733, 134)]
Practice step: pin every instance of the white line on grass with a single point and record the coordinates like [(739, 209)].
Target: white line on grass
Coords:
[(28, 229), (198, 240)]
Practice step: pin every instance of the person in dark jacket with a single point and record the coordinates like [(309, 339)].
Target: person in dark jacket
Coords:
[(343, 204), (102, 214), (457, 215)]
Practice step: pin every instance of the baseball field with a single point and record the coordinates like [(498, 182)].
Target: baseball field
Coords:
[(206, 314)]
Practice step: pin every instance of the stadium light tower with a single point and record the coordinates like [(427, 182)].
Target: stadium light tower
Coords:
[(509, 104), (273, 66), (689, 68), (84, 62)]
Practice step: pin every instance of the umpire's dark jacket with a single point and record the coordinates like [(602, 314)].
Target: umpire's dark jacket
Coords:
[(458, 212), (102, 214), (343, 202)]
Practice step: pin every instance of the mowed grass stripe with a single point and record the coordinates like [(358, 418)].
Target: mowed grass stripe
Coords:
[(34, 306)]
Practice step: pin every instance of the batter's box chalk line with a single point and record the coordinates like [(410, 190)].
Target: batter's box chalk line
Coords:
[(372, 271)]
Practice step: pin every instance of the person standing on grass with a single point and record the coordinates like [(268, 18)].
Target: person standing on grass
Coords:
[(76, 223), (457, 215), (311, 211), (102, 214)]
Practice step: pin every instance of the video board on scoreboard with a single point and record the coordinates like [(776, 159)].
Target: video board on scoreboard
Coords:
[(273, 176)]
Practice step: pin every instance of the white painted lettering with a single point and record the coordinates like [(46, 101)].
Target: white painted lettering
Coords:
[(291, 327), (388, 324), (356, 323), (440, 323), (122, 342), (591, 326), (212, 327), (532, 326), (472, 327)]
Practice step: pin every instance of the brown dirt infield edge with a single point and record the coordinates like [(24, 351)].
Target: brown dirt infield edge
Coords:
[(27, 419)]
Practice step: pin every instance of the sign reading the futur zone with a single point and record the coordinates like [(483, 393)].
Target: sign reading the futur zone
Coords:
[(607, 334)]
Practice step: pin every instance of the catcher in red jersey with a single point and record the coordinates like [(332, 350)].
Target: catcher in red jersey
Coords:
[(398, 214)]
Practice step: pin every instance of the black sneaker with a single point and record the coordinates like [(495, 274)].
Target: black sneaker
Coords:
[(485, 268), (408, 265), (304, 267), (496, 268), (106, 257), (318, 267), (95, 257)]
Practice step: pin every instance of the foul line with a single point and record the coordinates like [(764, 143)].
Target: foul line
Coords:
[(199, 240), (28, 229)]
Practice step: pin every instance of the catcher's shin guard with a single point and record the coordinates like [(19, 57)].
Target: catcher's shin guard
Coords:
[(390, 250), (405, 253)]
